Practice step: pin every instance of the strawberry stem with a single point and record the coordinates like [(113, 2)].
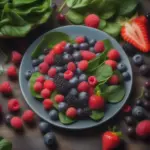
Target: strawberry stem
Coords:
[(62, 6), (119, 134)]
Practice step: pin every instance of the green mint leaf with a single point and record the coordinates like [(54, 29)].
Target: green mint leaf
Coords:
[(5, 145), (97, 115)]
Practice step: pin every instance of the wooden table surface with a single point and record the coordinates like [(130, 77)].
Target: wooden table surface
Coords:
[(32, 139)]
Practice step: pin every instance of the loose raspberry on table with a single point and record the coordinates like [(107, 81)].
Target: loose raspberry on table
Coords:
[(113, 55), (40, 79), (83, 86), (68, 74), (45, 93), (6, 88), (48, 104), (59, 98), (83, 65), (12, 72), (43, 67), (92, 80), (71, 112), (50, 85), (16, 123), (99, 47), (71, 66), (16, 57), (114, 80), (80, 39), (111, 63), (52, 72), (28, 116), (13, 105), (38, 87), (49, 59)]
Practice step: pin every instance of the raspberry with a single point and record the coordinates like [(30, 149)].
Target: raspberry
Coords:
[(61, 18), (68, 74), (71, 66), (83, 65), (58, 48), (38, 87), (91, 90), (48, 104), (5, 88), (12, 72), (40, 79), (52, 52), (52, 72), (59, 98), (16, 57), (63, 43), (83, 86), (114, 80), (49, 59), (16, 123), (92, 80), (99, 47), (87, 55), (71, 112), (80, 39), (13, 105), (50, 85), (111, 63), (28, 116), (113, 55), (96, 102), (43, 67), (92, 20), (45, 93)]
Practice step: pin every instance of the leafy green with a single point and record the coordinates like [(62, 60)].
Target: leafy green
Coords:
[(49, 40), (75, 17), (55, 104), (97, 115), (1, 70), (31, 84), (64, 119), (102, 24), (5, 145)]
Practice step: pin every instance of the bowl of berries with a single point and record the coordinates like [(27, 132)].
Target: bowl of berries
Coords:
[(75, 77)]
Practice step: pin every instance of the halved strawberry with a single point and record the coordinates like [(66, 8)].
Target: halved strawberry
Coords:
[(86, 55), (136, 34), (141, 19)]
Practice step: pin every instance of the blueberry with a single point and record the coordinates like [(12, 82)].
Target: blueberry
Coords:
[(92, 49), (62, 107), (121, 67), (44, 127), (74, 81), (86, 111), (60, 69), (76, 46), (50, 139), (69, 48), (46, 51), (126, 76), (54, 6), (147, 95), (147, 85), (129, 49), (41, 58), (131, 132), (36, 69), (138, 112), (28, 74), (84, 46), (144, 70), (80, 112), (129, 120), (73, 92), (83, 98), (67, 58), (86, 39), (146, 104), (138, 59), (61, 74), (53, 114), (92, 42), (8, 118), (78, 71), (82, 77), (139, 102), (35, 62), (76, 56)]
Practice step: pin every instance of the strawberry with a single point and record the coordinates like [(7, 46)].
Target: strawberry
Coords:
[(136, 34), (141, 19), (87, 55), (110, 140)]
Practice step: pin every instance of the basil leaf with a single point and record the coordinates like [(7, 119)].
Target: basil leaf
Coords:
[(102, 24), (64, 119), (5, 145), (31, 84), (18, 3), (97, 115), (55, 104)]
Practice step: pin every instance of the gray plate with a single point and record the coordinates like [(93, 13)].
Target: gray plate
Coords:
[(73, 31)]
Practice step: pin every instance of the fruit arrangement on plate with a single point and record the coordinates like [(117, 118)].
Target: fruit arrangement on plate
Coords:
[(76, 78)]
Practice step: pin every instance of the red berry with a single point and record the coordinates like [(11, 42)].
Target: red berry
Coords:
[(71, 66), (92, 20), (91, 90), (28, 116), (40, 79), (80, 39), (16, 123), (114, 80), (87, 55), (38, 87), (1, 110), (61, 18), (68, 74), (59, 98), (16, 57), (48, 104), (71, 112), (96, 102), (83, 65), (13, 105), (50, 85), (111, 63), (43, 67), (58, 49), (113, 55), (12, 72), (5, 88), (52, 72), (52, 53), (49, 59), (99, 47), (63, 43), (92, 80), (83, 86), (45, 93)]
